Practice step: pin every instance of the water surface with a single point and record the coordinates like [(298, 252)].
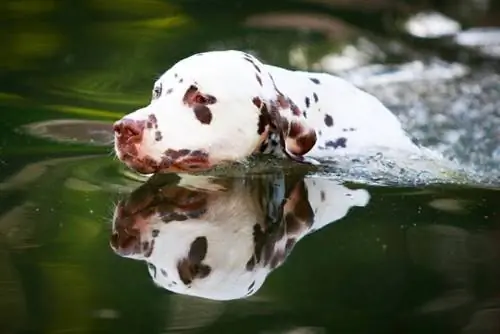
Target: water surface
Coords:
[(398, 256)]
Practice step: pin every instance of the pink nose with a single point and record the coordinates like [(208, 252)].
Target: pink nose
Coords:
[(128, 130)]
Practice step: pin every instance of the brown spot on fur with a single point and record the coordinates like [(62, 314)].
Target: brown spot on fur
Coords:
[(257, 102), (193, 97), (295, 109), (264, 120), (203, 113), (292, 224), (210, 99), (199, 154), (328, 120), (198, 249), (175, 154), (258, 79), (306, 142), (282, 102), (295, 130), (189, 95), (191, 267), (289, 245), (302, 208), (152, 122)]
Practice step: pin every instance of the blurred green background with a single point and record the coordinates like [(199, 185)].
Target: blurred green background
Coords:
[(401, 266)]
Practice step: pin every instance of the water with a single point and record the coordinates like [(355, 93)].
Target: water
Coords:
[(390, 249)]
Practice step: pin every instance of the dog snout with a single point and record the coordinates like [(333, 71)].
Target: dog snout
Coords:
[(129, 130)]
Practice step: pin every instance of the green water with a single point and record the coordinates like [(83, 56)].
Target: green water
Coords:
[(413, 260)]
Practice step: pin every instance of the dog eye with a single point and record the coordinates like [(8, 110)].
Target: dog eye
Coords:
[(157, 92), (200, 99)]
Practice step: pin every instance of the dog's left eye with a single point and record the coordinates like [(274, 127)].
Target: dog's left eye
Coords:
[(204, 99), (157, 92), (200, 99)]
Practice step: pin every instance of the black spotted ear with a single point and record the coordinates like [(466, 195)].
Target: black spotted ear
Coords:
[(296, 136)]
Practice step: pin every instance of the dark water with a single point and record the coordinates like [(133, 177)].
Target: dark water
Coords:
[(84, 245)]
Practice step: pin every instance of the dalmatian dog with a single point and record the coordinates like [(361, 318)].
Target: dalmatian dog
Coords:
[(224, 106), (219, 240)]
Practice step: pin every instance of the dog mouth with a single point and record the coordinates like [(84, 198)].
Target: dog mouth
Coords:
[(172, 161)]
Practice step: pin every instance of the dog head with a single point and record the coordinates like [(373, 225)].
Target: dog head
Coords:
[(208, 109), (220, 243)]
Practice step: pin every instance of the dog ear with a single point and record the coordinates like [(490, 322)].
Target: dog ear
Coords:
[(296, 136)]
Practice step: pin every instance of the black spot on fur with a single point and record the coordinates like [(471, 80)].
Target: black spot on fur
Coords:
[(251, 286), (155, 233), (328, 120), (158, 135), (315, 96), (203, 113), (259, 240), (258, 79), (304, 114), (316, 81), (152, 268), (322, 195), (308, 102), (340, 142)]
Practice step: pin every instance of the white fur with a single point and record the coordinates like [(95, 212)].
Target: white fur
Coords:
[(366, 124), (228, 226)]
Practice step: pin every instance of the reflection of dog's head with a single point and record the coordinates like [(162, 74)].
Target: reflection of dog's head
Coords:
[(221, 242)]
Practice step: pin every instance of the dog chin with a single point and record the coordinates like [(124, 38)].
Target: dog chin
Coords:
[(150, 166), (169, 163)]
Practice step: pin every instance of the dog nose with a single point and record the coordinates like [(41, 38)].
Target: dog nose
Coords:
[(127, 129)]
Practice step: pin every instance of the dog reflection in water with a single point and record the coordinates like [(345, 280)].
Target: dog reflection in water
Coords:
[(220, 238)]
